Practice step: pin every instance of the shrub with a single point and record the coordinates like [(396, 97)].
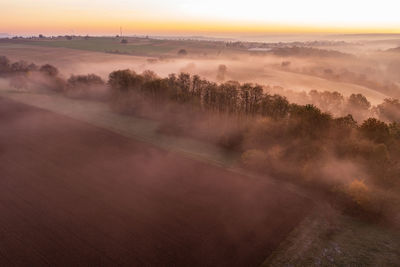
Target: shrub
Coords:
[(85, 80), (375, 130), (359, 193), (232, 140), (389, 110), (49, 70), (4, 65), (182, 52), (86, 86)]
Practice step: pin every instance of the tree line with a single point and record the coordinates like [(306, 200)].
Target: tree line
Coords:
[(274, 136), (287, 139)]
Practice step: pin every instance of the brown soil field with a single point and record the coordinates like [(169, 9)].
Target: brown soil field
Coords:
[(72, 194)]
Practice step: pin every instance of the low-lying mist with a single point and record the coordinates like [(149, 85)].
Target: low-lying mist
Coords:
[(342, 147), (373, 74)]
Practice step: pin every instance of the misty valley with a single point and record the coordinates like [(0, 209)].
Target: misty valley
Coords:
[(200, 151)]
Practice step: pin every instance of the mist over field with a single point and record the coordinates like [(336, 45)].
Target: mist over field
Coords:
[(187, 133), (368, 72)]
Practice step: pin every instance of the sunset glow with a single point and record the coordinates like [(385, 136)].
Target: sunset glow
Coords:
[(191, 17)]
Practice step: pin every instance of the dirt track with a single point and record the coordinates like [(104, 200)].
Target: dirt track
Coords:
[(73, 194)]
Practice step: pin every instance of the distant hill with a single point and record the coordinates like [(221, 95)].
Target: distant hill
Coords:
[(397, 50), (4, 35), (307, 51)]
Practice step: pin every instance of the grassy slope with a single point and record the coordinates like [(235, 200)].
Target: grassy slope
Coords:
[(103, 44), (135, 46), (327, 238)]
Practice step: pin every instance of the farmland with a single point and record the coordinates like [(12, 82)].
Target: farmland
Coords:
[(134, 46), (199, 133), (108, 45), (74, 194), (86, 181), (94, 55)]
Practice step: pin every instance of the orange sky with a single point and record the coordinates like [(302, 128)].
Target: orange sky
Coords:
[(202, 17)]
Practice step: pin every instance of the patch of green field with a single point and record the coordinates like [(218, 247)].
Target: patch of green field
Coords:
[(9, 45), (135, 46), (108, 45), (338, 240)]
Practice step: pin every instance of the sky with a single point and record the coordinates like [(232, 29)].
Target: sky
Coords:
[(198, 16)]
